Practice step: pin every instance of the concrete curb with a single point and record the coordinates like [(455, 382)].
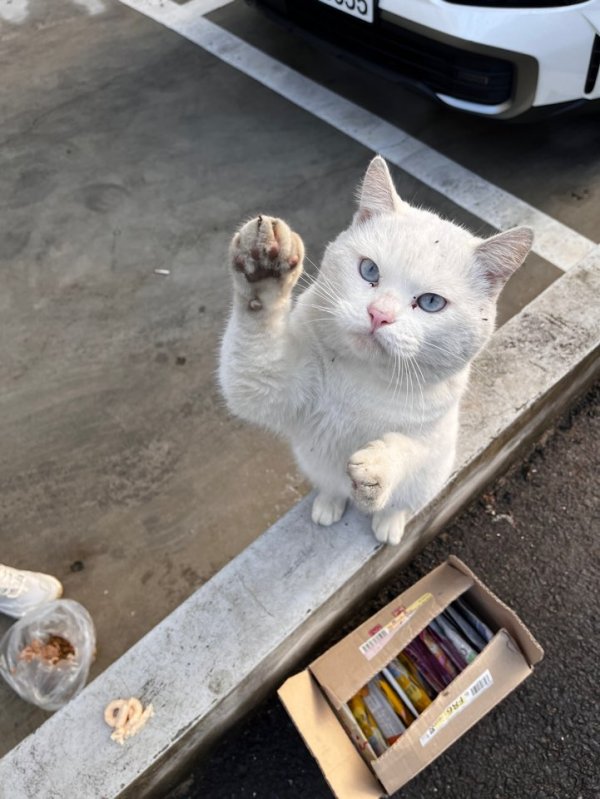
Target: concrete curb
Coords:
[(234, 640)]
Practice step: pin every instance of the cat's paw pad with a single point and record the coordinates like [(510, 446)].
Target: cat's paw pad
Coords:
[(388, 526), (327, 510), (370, 473), (266, 252)]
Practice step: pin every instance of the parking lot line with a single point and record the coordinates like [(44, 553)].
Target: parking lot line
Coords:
[(554, 241)]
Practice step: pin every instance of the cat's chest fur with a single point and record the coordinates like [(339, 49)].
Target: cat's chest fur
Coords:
[(350, 406)]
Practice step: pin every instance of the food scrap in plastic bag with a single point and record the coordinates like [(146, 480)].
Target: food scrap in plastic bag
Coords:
[(127, 717), (53, 650), (46, 655)]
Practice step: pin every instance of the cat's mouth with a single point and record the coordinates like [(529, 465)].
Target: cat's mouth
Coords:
[(369, 343)]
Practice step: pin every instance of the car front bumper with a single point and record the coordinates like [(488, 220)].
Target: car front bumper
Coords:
[(490, 61)]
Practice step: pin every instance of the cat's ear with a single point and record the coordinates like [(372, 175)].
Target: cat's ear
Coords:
[(501, 255), (377, 194)]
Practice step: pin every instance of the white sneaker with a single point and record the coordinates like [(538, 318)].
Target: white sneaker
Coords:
[(20, 591)]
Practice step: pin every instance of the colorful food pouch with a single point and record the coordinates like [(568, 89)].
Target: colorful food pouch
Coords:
[(465, 629), (417, 676), (434, 644), (367, 724), (417, 698), (474, 620), (435, 675), (448, 630), (356, 733), (386, 719), (395, 698), (447, 645)]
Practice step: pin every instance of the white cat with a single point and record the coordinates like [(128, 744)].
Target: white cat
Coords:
[(364, 373)]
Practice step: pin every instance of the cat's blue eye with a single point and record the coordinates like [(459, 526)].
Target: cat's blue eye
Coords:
[(369, 270), (431, 302)]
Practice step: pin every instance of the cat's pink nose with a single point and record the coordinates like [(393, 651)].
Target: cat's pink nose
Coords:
[(380, 317)]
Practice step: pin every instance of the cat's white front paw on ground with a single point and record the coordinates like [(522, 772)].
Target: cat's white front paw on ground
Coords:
[(370, 472), (266, 254), (388, 526), (327, 510)]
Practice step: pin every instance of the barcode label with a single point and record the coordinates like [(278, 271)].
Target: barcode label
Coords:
[(482, 683), (474, 690), (379, 639), (375, 643)]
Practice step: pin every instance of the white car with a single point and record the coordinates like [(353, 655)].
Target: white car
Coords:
[(496, 58)]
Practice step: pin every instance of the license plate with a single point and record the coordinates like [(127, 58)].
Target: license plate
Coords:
[(362, 9)]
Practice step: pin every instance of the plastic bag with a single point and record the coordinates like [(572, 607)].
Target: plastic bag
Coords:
[(46, 655)]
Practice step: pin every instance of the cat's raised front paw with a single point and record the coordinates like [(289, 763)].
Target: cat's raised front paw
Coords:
[(266, 257), (371, 475)]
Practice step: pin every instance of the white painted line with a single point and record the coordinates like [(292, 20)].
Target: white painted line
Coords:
[(201, 6), (167, 9), (242, 632), (557, 243)]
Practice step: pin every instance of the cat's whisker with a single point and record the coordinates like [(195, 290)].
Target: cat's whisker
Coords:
[(408, 381), (307, 280), (400, 375), (325, 313), (332, 288), (306, 283), (325, 291), (421, 385), (312, 263), (311, 278), (325, 297), (326, 317), (401, 370), (447, 351), (332, 299), (317, 293), (393, 375), (318, 307), (409, 377), (392, 379), (415, 365)]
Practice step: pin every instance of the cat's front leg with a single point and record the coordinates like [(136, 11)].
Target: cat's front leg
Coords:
[(376, 470), (327, 508), (261, 361), (376, 473), (388, 525)]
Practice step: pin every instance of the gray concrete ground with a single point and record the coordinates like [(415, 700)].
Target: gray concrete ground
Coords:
[(554, 165), (126, 149), (533, 538)]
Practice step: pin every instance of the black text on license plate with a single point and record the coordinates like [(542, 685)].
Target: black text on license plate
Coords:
[(362, 9)]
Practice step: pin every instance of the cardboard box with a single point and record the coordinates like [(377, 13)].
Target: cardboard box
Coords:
[(315, 698)]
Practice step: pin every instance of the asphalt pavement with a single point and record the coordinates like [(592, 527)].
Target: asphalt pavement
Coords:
[(533, 539)]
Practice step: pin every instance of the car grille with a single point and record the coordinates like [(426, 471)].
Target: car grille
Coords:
[(434, 66)]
